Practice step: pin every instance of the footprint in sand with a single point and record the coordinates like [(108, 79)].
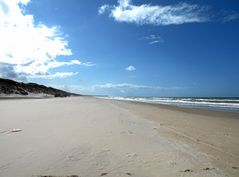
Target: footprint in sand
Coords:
[(126, 132), (206, 169), (188, 170), (130, 132), (103, 174), (133, 155), (128, 174), (173, 164), (73, 158)]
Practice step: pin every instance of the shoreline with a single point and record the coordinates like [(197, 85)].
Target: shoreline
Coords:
[(207, 104), (196, 110), (189, 109)]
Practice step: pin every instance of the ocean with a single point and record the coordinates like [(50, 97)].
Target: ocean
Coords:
[(217, 103)]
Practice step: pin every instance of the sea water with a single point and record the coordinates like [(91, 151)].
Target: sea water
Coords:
[(224, 104)]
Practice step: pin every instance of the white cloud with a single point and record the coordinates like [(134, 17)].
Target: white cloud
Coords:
[(121, 86), (131, 86), (103, 9), (154, 42), (130, 68), (153, 39), (35, 68), (31, 47), (55, 75), (231, 17), (88, 64), (177, 14)]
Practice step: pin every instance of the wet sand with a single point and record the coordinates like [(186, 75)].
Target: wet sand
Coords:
[(90, 137)]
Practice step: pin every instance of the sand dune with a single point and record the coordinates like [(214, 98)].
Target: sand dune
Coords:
[(91, 137)]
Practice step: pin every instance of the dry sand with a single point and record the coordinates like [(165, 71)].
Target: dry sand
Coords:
[(90, 137)]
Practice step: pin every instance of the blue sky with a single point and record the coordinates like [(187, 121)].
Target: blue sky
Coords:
[(123, 48)]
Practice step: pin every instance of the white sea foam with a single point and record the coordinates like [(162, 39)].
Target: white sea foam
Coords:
[(226, 104)]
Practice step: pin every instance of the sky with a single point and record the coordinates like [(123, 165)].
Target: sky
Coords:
[(123, 47)]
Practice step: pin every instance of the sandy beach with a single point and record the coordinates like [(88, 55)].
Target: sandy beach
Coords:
[(91, 137)]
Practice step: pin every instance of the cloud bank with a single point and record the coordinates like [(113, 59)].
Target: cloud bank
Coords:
[(120, 89), (28, 48), (176, 14)]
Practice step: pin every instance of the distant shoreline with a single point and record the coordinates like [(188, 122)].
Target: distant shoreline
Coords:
[(192, 110), (188, 109), (31, 97)]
